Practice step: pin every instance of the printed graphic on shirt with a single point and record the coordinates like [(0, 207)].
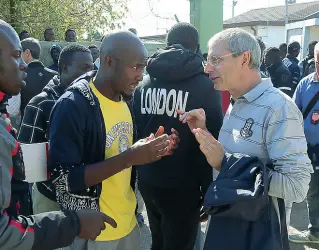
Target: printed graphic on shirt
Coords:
[(160, 102), (246, 131), (119, 130)]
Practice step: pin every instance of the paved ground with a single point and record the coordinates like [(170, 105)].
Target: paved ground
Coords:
[(298, 222)]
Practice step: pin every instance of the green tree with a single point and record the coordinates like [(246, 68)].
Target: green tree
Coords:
[(85, 16)]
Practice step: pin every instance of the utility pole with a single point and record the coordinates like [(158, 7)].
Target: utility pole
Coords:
[(234, 3)]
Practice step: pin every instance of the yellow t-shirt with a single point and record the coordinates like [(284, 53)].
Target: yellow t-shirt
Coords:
[(117, 198)]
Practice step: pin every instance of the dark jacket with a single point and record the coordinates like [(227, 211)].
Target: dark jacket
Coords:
[(303, 64), (238, 200), (54, 67), (176, 80), (38, 77), (43, 231), (281, 78), (77, 139), (35, 124), (292, 64)]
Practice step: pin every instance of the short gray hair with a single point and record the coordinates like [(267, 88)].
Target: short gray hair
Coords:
[(33, 45), (239, 41)]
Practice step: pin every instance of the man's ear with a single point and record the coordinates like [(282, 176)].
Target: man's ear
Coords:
[(108, 61), (246, 58), (64, 68)]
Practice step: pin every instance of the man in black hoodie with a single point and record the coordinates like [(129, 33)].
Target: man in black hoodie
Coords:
[(174, 186), (279, 73), (74, 61)]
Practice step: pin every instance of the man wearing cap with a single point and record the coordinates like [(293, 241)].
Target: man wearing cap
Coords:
[(55, 53), (291, 61)]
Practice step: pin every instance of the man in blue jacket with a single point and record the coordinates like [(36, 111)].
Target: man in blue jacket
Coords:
[(305, 92), (291, 61)]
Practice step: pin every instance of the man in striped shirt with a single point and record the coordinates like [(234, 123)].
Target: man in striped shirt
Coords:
[(261, 122)]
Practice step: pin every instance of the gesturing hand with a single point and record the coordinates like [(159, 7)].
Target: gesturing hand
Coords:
[(149, 149), (195, 118), (173, 138), (92, 223), (210, 147)]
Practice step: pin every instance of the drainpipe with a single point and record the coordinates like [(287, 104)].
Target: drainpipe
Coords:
[(254, 30)]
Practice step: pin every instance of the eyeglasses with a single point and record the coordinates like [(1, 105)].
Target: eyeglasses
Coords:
[(215, 60)]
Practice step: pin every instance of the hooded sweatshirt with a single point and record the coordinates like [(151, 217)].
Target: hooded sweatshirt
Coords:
[(176, 80), (35, 123)]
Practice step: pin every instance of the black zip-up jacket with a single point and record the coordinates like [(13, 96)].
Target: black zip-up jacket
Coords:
[(35, 124), (176, 80), (281, 78), (37, 78), (77, 139)]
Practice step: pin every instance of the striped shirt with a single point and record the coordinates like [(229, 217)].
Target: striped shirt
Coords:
[(267, 124)]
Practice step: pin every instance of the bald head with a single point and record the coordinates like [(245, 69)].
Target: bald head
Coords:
[(122, 61), (7, 32), (123, 45), (12, 66)]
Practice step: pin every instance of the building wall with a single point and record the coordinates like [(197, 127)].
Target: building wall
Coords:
[(272, 36), (314, 33)]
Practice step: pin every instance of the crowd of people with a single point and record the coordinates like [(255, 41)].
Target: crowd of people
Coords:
[(228, 137)]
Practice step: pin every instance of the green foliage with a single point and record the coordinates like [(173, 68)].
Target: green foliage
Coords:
[(85, 16)]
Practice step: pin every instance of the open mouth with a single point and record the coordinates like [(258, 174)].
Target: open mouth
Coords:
[(213, 78), (133, 86)]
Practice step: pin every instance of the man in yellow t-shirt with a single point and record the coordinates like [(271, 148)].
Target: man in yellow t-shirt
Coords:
[(91, 143), (117, 198)]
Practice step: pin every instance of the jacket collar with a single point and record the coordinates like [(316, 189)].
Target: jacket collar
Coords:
[(82, 84), (35, 64), (292, 58)]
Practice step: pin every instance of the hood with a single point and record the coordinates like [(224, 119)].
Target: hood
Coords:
[(53, 87), (175, 63), (82, 85), (273, 67)]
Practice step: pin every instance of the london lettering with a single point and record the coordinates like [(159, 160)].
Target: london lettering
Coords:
[(159, 102)]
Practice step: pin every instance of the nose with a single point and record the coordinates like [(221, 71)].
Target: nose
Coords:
[(140, 77), (209, 68)]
